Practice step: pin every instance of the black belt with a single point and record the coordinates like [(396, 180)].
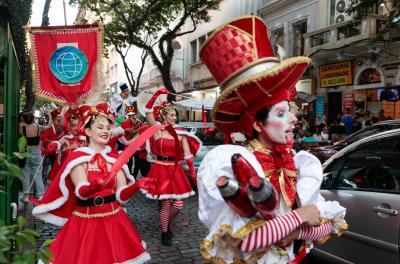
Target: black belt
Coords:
[(165, 158), (97, 201)]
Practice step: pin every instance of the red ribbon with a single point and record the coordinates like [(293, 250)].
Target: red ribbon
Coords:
[(101, 163)]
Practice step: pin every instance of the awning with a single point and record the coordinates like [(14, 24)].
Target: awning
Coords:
[(196, 103)]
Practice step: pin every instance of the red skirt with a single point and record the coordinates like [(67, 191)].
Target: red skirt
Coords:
[(100, 240), (172, 182)]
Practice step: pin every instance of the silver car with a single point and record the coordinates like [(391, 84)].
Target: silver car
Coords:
[(365, 178)]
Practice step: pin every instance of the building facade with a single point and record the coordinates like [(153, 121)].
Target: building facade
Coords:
[(351, 68)]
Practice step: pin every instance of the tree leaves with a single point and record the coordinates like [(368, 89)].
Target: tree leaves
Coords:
[(151, 25)]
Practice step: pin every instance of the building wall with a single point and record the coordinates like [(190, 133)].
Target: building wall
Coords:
[(197, 75)]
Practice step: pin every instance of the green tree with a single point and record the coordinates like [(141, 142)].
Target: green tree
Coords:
[(17, 241), (362, 8), (151, 25), (17, 14)]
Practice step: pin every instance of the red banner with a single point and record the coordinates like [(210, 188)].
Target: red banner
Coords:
[(64, 59)]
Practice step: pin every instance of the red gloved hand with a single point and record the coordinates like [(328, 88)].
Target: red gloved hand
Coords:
[(150, 103), (51, 148), (86, 191), (192, 169), (148, 184)]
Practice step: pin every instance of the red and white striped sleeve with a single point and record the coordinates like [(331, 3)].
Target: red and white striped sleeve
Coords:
[(271, 232), (314, 233)]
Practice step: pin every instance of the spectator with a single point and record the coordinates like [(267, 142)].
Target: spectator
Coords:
[(348, 122), (321, 136), (33, 167), (381, 116), (300, 136), (309, 138), (366, 119)]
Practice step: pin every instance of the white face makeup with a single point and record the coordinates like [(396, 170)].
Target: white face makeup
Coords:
[(280, 124), (100, 131), (170, 117)]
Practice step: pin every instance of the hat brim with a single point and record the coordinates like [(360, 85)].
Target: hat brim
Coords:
[(256, 92)]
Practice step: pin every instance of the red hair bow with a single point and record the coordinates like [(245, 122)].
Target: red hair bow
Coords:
[(89, 111)]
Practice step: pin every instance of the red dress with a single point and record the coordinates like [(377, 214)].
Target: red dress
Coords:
[(172, 180), (90, 234)]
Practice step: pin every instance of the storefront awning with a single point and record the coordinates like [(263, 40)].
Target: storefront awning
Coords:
[(196, 103)]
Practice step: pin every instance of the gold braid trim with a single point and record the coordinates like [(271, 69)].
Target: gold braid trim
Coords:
[(338, 223), (256, 145), (226, 229), (82, 215)]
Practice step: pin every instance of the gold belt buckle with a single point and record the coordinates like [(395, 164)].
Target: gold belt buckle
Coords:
[(98, 201)]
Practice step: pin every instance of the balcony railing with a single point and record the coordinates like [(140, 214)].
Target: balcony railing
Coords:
[(341, 34)]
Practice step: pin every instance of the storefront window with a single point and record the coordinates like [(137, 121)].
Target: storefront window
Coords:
[(369, 76)]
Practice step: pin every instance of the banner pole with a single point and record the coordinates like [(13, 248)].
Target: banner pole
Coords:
[(65, 13)]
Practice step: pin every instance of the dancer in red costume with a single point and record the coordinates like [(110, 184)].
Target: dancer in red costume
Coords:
[(173, 182), (132, 127), (51, 134), (256, 89), (87, 200)]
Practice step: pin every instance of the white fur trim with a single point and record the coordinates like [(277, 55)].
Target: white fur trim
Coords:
[(42, 211), (116, 131), (185, 133), (144, 257), (167, 196), (77, 187), (69, 136), (118, 194), (188, 156), (58, 145), (82, 138), (147, 110)]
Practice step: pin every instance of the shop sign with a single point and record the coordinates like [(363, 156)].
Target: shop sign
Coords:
[(347, 101), (336, 74), (320, 106)]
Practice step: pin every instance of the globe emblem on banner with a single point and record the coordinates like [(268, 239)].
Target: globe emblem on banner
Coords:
[(69, 64)]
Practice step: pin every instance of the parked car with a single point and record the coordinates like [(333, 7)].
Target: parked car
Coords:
[(364, 177), (325, 152)]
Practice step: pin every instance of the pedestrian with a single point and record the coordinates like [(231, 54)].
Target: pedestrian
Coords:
[(348, 122), (168, 147), (87, 200), (32, 170), (256, 89)]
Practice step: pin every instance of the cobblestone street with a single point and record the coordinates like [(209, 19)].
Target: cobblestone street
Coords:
[(187, 229)]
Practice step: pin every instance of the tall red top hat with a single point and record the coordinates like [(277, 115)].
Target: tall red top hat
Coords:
[(240, 57)]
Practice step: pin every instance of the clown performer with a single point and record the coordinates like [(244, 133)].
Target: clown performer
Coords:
[(87, 200), (168, 147), (120, 101), (132, 127), (71, 140), (256, 89)]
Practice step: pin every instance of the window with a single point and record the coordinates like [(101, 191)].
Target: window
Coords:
[(372, 167), (193, 49), (299, 29), (202, 39)]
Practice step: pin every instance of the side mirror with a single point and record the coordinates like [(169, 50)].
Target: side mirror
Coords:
[(326, 180)]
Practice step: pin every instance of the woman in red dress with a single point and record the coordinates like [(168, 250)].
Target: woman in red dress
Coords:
[(87, 199), (173, 184)]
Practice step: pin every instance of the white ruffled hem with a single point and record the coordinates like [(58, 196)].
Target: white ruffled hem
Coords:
[(167, 196)]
